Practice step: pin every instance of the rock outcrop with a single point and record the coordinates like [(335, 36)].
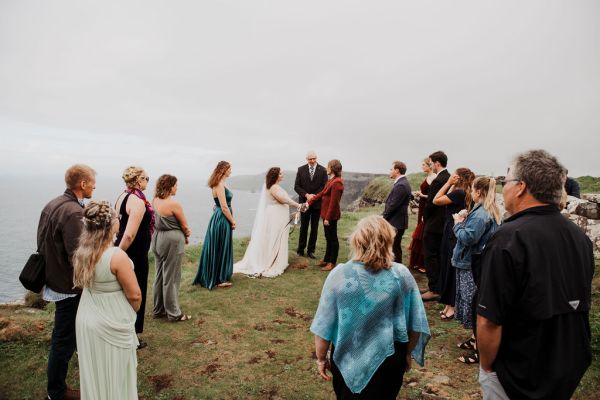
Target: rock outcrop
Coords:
[(585, 213)]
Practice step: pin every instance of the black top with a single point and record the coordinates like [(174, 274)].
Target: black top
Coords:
[(396, 204), (434, 215), (304, 185), (141, 243), (536, 283)]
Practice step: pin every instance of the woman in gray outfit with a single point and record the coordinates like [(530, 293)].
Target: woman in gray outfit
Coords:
[(168, 242)]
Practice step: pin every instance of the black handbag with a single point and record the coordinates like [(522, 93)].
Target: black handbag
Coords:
[(33, 276)]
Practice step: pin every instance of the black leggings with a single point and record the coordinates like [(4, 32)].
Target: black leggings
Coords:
[(385, 383)]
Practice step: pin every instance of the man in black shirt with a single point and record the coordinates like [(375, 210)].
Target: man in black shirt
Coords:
[(533, 329)]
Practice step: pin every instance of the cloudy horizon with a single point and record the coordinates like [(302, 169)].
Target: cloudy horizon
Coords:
[(176, 87)]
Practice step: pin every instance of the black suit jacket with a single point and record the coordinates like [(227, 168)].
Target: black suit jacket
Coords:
[(304, 185), (434, 215), (396, 205)]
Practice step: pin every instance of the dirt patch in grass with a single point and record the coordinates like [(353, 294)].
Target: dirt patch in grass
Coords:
[(299, 265), (254, 360), (292, 312), (277, 341), (161, 382), (210, 369), (270, 353)]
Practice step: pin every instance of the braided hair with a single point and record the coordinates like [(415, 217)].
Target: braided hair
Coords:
[(99, 221)]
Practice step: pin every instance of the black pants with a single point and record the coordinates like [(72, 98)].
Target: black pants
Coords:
[(62, 346), (432, 242), (332, 244), (397, 245), (140, 261), (385, 383), (311, 216)]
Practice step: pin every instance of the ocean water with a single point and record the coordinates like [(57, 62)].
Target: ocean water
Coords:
[(22, 201)]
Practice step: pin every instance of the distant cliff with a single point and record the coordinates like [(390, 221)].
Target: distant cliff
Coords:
[(354, 184)]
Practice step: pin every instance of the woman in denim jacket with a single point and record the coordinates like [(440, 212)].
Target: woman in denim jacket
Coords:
[(472, 231)]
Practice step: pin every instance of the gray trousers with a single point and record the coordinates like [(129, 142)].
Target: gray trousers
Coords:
[(167, 282), (491, 387)]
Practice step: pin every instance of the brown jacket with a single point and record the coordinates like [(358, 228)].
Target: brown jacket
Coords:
[(331, 196), (57, 239)]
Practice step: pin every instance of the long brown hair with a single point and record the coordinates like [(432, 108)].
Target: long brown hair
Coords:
[(218, 174), (272, 176), (465, 180), (487, 188), (97, 235)]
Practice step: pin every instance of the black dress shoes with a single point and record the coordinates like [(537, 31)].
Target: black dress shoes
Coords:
[(311, 255), (300, 253)]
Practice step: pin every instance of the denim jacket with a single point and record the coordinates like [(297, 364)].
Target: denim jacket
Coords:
[(471, 236)]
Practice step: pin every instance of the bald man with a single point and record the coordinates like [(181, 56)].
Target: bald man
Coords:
[(310, 179)]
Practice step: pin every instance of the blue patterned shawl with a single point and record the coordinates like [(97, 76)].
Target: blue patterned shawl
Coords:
[(362, 313)]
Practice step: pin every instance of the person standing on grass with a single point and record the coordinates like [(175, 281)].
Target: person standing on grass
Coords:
[(311, 178), (135, 232), (58, 234), (216, 261), (533, 328), (417, 256), (168, 245), (396, 206), (434, 226), (330, 212)]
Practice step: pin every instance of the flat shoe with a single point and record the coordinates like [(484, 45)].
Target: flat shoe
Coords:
[(322, 263), (142, 344), (327, 267), (468, 344), (225, 285), (469, 358), (181, 318), (446, 317)]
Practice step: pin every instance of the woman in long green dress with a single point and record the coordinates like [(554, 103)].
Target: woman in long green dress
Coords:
[(105, 322), (216, 261)]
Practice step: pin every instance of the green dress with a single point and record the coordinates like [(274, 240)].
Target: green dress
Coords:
[(106, 339), (216, 261)]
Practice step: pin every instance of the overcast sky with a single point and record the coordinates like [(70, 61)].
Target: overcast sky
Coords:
[(176, 86)]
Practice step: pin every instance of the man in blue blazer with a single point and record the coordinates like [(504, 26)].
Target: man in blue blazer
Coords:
[(396, 206)]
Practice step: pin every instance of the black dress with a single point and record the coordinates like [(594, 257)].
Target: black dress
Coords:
[(138, 253), (447, 271)]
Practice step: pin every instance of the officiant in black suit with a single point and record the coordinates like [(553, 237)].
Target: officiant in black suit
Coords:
[(396, 206), (310, 179)]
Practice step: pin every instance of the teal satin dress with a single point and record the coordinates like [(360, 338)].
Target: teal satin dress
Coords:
[(216, 260)]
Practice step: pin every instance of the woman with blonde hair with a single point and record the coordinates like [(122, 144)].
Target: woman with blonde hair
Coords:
[(106, 338), (454, 195), (135, 231), (372, 316), (168, 244), (417, 252), (216, 261), (472, 229)]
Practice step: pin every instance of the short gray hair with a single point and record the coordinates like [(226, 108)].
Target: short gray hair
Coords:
[(543, 174)]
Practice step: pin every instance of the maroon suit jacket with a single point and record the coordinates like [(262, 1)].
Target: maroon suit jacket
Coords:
[(331, 196)]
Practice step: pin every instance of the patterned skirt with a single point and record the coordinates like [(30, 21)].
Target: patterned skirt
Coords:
[(465, 288)]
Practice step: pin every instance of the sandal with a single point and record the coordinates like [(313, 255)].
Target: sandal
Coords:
[(470, 358), (446, 317), (468, 344), (181, 318), (225, 285)]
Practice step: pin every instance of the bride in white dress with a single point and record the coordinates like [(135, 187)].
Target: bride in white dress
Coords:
[(267, 252)]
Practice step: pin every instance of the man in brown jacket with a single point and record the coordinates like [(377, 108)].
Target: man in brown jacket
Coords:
[(57, 239)]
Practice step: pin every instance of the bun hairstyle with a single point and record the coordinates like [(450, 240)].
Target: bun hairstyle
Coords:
[(131, 176), (98, 215), (272, 176), (486, 186), (99, 220)]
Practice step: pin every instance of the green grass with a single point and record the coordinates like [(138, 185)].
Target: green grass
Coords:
[(251, 341), (589, 184)]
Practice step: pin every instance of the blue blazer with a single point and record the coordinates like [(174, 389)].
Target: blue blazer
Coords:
[(396, 205)]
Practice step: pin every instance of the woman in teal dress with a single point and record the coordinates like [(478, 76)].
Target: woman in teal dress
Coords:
[(216, 260)]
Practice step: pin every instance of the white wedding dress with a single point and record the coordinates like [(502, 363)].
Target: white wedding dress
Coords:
[(267, 252)]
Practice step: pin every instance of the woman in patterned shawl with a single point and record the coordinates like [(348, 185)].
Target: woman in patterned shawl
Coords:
[(372, 316)]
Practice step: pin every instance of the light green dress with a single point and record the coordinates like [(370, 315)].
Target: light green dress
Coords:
[(106, 339)]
